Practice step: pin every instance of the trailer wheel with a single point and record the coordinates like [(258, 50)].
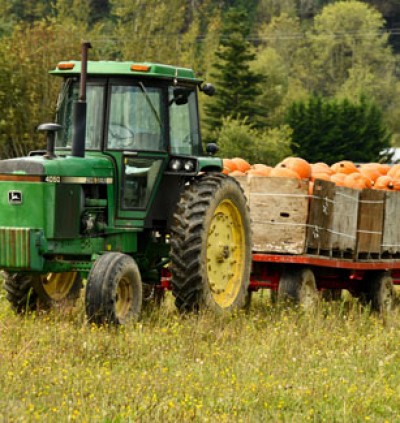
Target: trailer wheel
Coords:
[(332, 294), (378, 291), (113, 290), (20, 291), (298, 285), (211, 246)]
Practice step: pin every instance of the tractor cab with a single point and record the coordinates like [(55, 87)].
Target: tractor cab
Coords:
[(144, 118)]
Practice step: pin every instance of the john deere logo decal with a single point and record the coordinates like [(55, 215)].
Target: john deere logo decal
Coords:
[(15, 197)]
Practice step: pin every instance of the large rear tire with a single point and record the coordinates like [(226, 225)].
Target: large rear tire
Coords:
[(211, 246), (28, 292), (113, 290), (20, 292)]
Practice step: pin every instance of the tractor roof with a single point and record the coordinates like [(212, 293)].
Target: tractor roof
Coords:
[(103, 68)]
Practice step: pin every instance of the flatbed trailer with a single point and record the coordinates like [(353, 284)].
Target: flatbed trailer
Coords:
[(333, 239), (329, 273)]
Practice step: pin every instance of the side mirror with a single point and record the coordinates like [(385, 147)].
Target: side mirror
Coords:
[(208, 89), (180, 96), (212, 148)]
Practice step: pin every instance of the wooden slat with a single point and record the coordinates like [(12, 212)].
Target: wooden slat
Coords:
[(320, 215), (343, 229), (391, 229), (370, 222)]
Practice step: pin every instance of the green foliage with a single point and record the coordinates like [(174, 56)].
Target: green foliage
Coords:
[(237, 84), (27, 93), (344, 53), (346, 36), (237, 138), (330, 131)]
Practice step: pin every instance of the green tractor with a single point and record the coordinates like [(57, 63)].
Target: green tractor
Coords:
[(124, 198)]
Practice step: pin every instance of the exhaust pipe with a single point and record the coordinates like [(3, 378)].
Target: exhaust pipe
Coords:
[(79, 113)]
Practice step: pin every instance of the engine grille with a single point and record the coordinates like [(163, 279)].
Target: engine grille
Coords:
[(15, 247)]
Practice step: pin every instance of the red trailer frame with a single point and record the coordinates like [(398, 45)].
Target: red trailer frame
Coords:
[(330, 272)]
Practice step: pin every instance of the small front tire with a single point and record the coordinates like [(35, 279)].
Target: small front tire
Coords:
[(113, 290)]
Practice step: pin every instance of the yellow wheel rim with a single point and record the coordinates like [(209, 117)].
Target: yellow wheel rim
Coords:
[(58, 285), (225, 254), (124, 295)]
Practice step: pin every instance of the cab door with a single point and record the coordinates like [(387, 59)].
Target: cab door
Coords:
[(136, 138)]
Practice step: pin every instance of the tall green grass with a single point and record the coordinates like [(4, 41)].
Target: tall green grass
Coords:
[(339, 364)]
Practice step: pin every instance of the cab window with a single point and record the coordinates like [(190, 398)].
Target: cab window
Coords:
[(183, 119), (135, 120)]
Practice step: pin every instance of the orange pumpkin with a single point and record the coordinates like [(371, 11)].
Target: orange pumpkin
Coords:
[(298, 165), (370, 172), (393, 170), (310, 188), (379, 167), (344, 166), (259, 171), (237, 173), (229, 166), (324, 176), (241, 164), (357, 181), (321, 167), (338, 179), (260, 166), (384, 168), (387, 183), (283, 172)]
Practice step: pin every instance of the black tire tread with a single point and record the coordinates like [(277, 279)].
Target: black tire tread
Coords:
[(101, 285), (20, 292), (187, 228)]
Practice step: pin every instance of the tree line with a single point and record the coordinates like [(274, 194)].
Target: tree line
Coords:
[(317, 79)]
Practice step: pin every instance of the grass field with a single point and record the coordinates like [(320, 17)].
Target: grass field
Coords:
[(340, 364)]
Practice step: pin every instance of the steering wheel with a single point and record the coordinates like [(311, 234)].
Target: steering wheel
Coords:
[(120, 135)]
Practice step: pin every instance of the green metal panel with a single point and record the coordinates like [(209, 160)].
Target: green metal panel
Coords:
[(124, 68), (95, 165), (19, 248), (210, 163), (36, 209)]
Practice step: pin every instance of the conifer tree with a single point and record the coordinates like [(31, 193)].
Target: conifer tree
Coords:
[(331, 130), (237, 85)]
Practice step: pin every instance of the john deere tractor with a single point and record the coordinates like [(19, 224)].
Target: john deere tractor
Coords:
[(122, 195)]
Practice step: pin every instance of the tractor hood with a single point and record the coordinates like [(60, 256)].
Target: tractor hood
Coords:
[(60, 167)]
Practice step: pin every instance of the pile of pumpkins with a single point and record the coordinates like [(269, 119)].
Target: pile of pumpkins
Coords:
[(344, 173)]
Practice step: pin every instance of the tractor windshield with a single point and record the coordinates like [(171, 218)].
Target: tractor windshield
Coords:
[(135, 121), (136, 117), (94, 118)]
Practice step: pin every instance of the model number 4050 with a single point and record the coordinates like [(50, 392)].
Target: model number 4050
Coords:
[(53, 179)]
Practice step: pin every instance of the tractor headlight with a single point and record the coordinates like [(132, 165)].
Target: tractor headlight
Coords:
[(182, 165), (189, 165), (176, 164)]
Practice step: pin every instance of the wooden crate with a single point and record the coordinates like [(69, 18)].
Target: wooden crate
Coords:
[(333, 220), (321, 210), (278, 211), (370, 223), (391, 226)]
